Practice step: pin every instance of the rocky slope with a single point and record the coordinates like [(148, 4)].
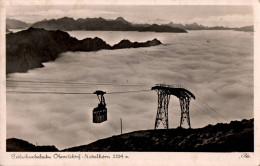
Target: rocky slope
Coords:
[(28, 49), (18, 145), (238, 136)]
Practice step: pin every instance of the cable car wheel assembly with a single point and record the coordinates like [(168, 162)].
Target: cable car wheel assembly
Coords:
[(100, 112)]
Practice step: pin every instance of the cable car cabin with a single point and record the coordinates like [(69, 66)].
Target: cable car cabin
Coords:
[(100, 112)]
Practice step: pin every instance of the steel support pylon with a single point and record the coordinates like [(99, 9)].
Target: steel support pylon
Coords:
[(185, 114), (162, 111), (164, 92)]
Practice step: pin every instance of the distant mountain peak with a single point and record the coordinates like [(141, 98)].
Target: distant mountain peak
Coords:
[(16, 24), (122, 20), (171, 24)]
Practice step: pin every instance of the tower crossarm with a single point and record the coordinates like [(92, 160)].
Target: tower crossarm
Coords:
[(174, 89)]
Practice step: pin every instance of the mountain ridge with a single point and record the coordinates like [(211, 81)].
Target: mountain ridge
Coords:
[(28, 49), (196, 26), (101, 24), (119, 21), (16, 24)]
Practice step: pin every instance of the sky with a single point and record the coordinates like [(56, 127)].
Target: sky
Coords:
[(230, 16)]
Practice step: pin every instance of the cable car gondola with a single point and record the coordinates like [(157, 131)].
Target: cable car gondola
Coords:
[(100, 112)]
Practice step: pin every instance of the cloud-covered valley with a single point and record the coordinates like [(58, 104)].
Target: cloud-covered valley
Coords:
[(219, 73)]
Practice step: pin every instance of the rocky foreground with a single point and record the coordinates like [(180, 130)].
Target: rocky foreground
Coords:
[(18, 145), (28, 49), (237, 136)]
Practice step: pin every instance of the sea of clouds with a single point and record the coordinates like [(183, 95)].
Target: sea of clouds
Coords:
[(217, 66)]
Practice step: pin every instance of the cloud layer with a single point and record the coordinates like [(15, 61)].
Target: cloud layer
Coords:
[(219, 73)]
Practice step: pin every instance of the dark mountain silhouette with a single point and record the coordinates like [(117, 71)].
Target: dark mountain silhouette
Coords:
[(237, 136), (129, 44), (119, 24), (246, 29), (195, 26), (64, 23), (69, 24), (28, 49), (16, 24), (100, 24), (163, 28), (175, 25), (18, 145)]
